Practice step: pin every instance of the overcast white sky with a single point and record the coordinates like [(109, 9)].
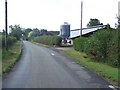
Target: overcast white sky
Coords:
[(50, 14)]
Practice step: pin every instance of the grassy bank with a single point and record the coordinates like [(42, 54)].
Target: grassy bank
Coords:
[(108, 72), (10, 57)]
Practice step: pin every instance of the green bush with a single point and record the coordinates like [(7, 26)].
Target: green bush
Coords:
[(10, 41), (48, 40), (79, 44), (102, 45)]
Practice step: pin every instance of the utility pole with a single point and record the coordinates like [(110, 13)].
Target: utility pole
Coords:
[(118, 15), (81, 17), (6, 29)]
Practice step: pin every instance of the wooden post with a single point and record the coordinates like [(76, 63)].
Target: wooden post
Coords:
[(6, 29), (81, 17)]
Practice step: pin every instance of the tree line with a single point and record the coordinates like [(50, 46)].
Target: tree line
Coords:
[(17, 33)]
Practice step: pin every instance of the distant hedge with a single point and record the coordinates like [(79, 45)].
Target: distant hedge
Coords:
[(10, 41), (102, 46), (48, 40)]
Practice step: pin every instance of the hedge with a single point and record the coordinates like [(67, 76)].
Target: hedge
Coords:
[(10, 41), (48, 40), (102, 46)]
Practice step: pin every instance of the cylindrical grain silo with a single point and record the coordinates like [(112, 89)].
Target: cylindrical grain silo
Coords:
[(65, 30)]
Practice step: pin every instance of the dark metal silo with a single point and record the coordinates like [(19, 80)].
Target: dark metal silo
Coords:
[(65, 30)]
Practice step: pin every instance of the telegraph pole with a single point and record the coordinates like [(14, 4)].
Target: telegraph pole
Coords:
[(6, 29), (119, 14), (81, 17)]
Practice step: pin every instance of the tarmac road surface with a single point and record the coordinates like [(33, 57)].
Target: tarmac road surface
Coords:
[(42, 67)]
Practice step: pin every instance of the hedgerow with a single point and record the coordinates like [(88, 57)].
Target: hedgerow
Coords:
[(10, 41), (48, 40), (102, 46)]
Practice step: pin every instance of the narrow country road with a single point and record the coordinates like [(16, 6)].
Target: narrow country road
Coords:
[(42, 67)]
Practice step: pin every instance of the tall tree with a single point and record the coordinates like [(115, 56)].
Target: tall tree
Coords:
[(94, 22), (26, 31), (16, 31), (35, 32)]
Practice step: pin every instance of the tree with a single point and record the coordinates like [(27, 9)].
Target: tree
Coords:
[(94, 22), (16, 31), (26, 32), (30, 34), (3, 32), (34, 33)]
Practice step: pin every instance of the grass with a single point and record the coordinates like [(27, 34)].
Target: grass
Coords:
[(108, 72), (10, 57), (40, 44)]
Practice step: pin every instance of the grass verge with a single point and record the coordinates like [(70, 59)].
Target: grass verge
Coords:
[(40, 44), (107, 72), (10, 57)]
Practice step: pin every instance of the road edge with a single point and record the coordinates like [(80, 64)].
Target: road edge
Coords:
[(12, 66)]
